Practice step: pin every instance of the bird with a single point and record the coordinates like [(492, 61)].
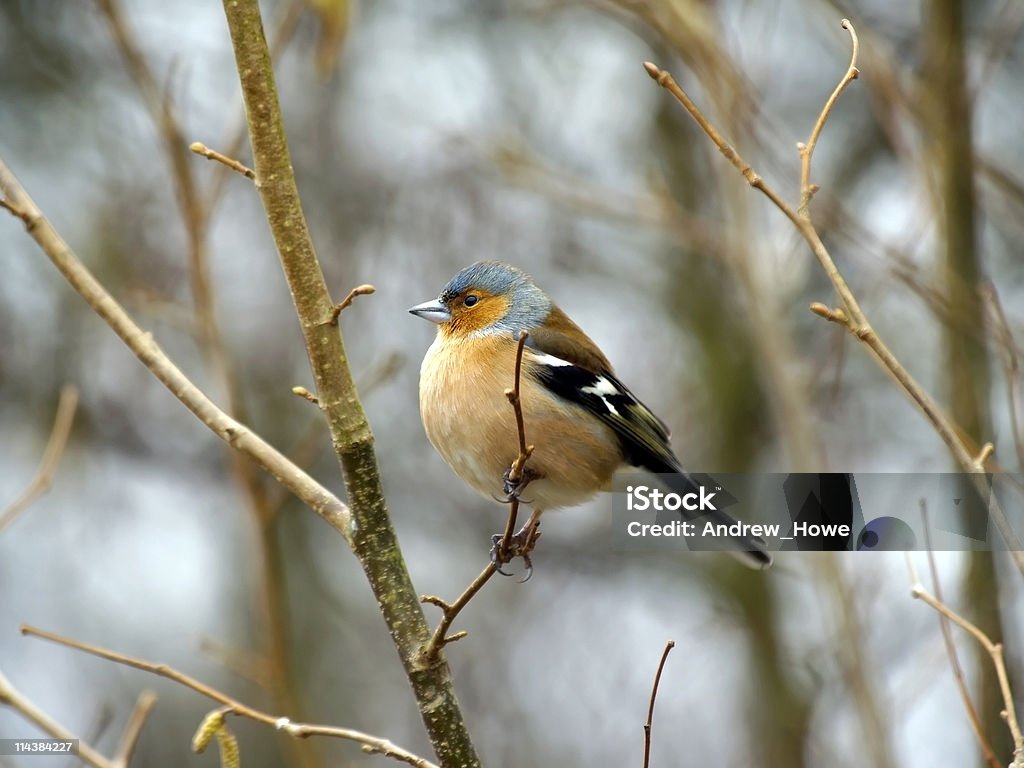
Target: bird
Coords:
[(584, 422)]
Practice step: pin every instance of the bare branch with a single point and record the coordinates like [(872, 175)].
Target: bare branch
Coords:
[(370, 743), (954, 659), (360, 290), (196, 216), (666, 81), (654, 697), (857, 321), (59, 434), (10, 208), (995, 651), (240, 437), (806, 150), (441, 638), (130, 736), (515, 474)]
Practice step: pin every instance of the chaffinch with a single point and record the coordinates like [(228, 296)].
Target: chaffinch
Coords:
[(584, 422)]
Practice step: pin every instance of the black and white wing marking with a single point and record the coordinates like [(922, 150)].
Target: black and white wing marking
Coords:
[(642, 435)]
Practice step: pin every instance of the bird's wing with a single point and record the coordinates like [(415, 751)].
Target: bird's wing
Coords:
[(642, 435)]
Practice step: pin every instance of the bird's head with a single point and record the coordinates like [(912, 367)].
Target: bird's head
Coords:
[(484, 298)]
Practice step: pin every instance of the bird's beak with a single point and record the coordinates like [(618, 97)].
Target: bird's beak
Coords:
[(433, 310)]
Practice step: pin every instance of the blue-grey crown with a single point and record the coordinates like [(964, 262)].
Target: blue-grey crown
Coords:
[(529, 305)]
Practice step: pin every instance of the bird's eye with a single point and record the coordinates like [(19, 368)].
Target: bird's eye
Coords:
[(470, 300)]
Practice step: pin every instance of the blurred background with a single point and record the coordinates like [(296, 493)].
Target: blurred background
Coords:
[(426, 136)]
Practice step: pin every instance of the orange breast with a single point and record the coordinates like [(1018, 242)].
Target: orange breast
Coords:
[(472, 425)]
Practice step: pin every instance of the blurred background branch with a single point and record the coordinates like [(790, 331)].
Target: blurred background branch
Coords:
[(13, 698), (995, 654), (48, 465), (196, 213)]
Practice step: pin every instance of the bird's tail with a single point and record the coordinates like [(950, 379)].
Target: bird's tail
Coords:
[(750, 550)]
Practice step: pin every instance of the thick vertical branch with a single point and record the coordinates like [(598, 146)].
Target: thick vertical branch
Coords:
[(373, 537), (946, 123)]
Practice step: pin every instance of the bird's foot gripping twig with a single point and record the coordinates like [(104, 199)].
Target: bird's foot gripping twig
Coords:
[(505, 547), (513, 482)]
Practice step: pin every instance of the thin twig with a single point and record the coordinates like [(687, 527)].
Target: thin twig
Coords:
[(666, 81), (515, 473), (211, 154), (440, 638), (995, 651), (954, 659), (857, 323), (806, 150), (1011, 365), (130, 736), (510, 528), (59, 434), (654, 697), (360, 290), (370, 743)]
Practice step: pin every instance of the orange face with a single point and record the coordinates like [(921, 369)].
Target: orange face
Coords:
[(472, 310)]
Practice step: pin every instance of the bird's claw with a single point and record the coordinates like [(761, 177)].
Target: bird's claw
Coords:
[(513, 488), (528, 573), (521, 544), (496, 553)]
